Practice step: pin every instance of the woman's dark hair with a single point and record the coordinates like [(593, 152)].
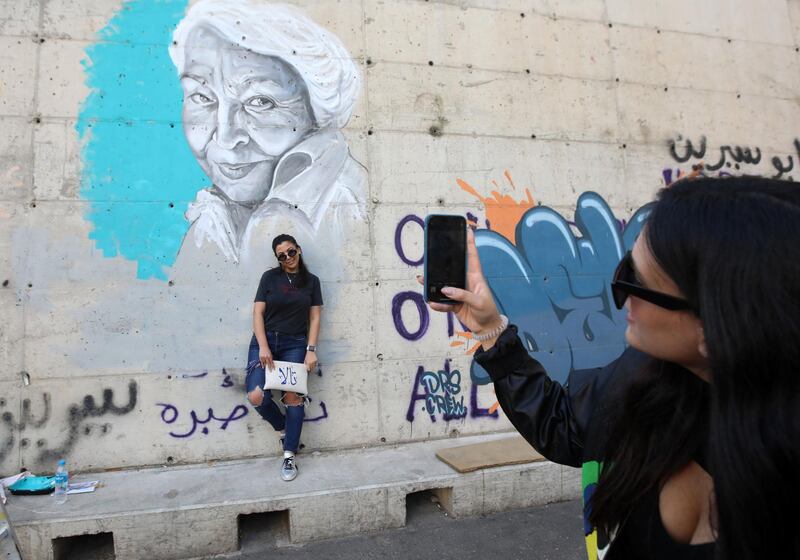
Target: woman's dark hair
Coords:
[(302, 275), (732, 246)]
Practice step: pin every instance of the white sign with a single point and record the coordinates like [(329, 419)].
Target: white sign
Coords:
[(287, 376)]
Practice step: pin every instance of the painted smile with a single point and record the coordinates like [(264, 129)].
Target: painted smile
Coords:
[(236, 170)]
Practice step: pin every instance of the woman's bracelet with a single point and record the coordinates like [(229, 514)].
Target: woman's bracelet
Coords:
[(494, 332)]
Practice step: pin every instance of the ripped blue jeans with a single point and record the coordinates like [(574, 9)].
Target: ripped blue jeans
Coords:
[(286, 348)]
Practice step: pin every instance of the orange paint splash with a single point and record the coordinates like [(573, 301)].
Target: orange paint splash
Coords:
[(502, 211)]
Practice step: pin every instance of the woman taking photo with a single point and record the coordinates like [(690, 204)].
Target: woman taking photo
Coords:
[(286, 316), (690, 441)]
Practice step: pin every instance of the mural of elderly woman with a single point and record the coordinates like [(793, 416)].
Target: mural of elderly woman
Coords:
[(266, 92)]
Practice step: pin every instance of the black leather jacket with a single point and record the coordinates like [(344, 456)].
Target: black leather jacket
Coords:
[(567, 424)]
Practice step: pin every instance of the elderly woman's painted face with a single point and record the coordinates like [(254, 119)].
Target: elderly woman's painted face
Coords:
[(241, 112)]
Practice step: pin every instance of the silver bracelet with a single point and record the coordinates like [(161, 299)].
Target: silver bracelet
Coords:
[(494, 332)]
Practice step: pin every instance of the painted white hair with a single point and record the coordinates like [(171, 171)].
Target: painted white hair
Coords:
[(319, 57)]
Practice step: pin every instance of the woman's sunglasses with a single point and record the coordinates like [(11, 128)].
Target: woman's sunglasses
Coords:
[(625, 284), (287, 255)]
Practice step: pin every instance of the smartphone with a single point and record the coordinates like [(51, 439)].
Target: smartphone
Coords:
[(445, 255)]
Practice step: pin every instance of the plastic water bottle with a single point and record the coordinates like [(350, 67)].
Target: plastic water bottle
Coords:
[(62, 482)]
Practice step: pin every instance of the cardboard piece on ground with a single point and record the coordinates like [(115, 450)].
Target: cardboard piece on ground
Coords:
[(495, 453)]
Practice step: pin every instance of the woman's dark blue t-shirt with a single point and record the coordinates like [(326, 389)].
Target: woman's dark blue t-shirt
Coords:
[(287, 304)]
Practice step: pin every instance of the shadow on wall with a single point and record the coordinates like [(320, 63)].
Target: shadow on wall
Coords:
[(554, 283)]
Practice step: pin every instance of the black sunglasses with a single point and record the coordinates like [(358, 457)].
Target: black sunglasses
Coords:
[(625, 284), (287, 255)]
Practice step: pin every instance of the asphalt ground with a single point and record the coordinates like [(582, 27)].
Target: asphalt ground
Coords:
[(550, 532)]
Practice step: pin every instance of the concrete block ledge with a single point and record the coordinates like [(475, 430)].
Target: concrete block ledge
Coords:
[(190, 511)]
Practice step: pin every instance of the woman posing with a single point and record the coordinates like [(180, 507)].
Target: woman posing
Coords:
[(695, 430), (286, 316)]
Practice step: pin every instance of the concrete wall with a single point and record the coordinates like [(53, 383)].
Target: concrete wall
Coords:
[(125, 326)]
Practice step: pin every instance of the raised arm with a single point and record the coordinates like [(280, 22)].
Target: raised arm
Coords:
[(552, 418)]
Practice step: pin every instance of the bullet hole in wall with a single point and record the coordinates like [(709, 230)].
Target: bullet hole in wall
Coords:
[(23, 443), (527, 70), (40, 443), (435, 131), (5, 283), (37, 120), (430, 63), (369, 61), (30, 285), (383, 440), (611, 25), (170, 459), (666, 89), (533, 136), (171, 205), (369, 132), (171, 283)]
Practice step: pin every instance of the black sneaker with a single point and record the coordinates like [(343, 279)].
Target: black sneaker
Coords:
[(289, 469)]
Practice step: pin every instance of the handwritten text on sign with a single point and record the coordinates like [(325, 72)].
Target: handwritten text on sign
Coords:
[(287, 376)]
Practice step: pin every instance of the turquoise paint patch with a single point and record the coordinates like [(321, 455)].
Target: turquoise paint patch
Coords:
[(138, 172)]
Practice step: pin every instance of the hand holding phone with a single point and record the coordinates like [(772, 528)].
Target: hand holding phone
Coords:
[(445, 255), (473, 305)]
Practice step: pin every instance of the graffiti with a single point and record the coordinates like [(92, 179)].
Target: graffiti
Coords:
[(398, 239), (440, 394), (270, 147), (169, 415), (730, 159), (193, 375), (503, 212), (476, 411), (322, 416), (412, 297), (26, 419), (555, 285), (78, 414), (226, 381), (422, 309), (299, 86)]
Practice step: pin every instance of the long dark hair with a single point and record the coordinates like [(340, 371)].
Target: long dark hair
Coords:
[(302, 274), (732, 246)]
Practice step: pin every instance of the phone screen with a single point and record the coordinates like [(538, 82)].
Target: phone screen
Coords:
[(445, 255)]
